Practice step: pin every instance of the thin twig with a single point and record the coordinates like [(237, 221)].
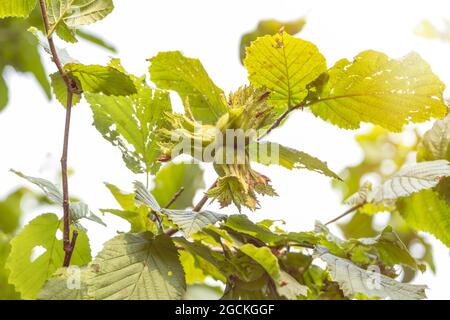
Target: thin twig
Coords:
[(280, 119), (352, 209), (170, 232), (69, 246), (205, 198), (68, 256), (174, 198)]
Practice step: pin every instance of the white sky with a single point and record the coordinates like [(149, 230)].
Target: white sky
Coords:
[(31, 127)]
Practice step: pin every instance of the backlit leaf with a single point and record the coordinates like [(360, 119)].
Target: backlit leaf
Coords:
[(186, 76), (376, 89), (285, 66), (29, 272)]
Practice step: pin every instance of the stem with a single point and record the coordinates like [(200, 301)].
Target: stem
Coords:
[(352, 209), (68, 245), (205, 198), (174, 198), (197, 208), (278, 122)]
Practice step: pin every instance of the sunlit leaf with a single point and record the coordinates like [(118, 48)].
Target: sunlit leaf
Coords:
[(411, 179), (186, 76), (285, 66), (376, 89), (29, 272), (269, 27), (289, 158), (425, 211), (16, 8), (75, 13)]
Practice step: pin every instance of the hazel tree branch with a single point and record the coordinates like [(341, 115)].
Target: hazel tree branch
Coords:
[(72, 88), (352, 209)]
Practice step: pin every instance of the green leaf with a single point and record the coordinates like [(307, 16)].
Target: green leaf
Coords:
[(7, 291), (186, 76), (191, 222), (11, 212), (285, 284), (74, 13), (240, 223), (269, 27), (4, 96), (411, 179), (390, 249), (67, 284), (285, 66), (29, 273), (16, 8), (92, 38), (211, 263), (145, 197), (79, 210), (99, 79), (60, 90), (269, 153), (174, 176), (425, 211), (436, 142), (376, 89), (19, 50), (138, 217), (130, 123), (124, 199), (138, 267), (352, 280)]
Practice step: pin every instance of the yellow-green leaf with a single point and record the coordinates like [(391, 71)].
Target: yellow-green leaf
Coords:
[(383, 91), (426, 211), (16, 8), (269, 27), (74, 13), (285, 66), (186, 76), (99, 79), (29, 272)]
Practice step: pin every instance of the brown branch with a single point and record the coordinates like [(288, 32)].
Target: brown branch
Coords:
[(69, 246), (280, 119), (174, 198), (205, 198), (352, 209), (68, 256)]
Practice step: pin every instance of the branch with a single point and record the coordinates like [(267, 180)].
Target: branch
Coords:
[(71, 85), (174, 198), (352, 209), (205, 198), (278, 122), (197, 208)]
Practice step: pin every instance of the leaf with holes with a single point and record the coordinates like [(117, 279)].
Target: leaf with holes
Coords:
[(27, 272)]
